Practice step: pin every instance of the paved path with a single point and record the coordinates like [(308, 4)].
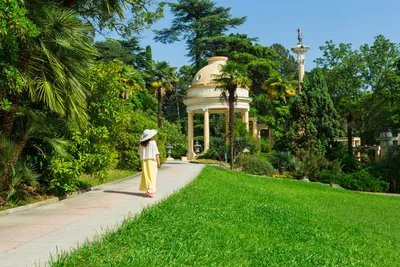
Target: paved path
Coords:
[(29, 237)]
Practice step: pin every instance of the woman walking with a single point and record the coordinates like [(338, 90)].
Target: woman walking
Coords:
[(150, 158)]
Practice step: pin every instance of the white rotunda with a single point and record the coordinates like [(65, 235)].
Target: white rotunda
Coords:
[(203, 97)]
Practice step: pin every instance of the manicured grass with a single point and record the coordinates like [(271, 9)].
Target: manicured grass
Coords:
[(113, 175), (225, 218)]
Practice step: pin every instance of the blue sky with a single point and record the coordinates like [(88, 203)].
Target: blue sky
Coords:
[(343, 21)]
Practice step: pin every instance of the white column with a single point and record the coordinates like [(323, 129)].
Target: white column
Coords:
[(206, 129), (301, 60), (246, 119), (190, 153), (254, 127), (300, 50)]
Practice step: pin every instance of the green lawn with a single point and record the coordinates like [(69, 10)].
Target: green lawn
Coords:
[(231, 219)]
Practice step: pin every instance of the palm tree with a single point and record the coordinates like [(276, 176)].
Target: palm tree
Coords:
[(163, 78), (132, 81), (280, 87), (232, 76), (53, 67)]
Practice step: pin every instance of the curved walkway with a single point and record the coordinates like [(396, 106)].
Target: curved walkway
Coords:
[(30, 236)]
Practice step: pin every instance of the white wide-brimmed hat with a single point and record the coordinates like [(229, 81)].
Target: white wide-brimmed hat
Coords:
[(147, 134)]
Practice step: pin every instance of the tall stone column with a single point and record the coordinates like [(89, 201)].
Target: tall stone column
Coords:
[(190, 153), (254, 120), (300, 49), (246, 119), (206, 129), (271, 139)]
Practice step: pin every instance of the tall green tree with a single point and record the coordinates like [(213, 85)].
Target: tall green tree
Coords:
[(380, 77), (194, 22), (164, 78), (287, 62), (313, 122), (105, 15), (342, 67), (173, 106), (232, 77), (127, 51)]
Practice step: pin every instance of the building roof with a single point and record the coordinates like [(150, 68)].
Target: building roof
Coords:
[(205, 76)]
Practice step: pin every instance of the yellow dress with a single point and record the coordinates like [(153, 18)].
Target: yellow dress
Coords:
[(149, 175), (149, 166)]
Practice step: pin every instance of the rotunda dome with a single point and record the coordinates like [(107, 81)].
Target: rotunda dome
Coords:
[(205, 76)]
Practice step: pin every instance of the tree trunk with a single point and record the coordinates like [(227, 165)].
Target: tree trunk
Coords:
[(18, 151), (159, 98), (231, 101), (350, 140), (6, 125), (350, 135), (7, 121), (177, 108)]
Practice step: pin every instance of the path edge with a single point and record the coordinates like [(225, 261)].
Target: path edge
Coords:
[(61, 198)]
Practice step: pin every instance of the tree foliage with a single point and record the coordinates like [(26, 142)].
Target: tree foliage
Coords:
[(364, 85), (103, 15), (313, 122), (232, 77), (163, 78), (195, 22)]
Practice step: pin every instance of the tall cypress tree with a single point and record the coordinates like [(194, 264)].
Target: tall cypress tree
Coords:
[(195, 21), (313, 122)]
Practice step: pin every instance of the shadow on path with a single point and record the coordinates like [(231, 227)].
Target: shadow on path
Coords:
[(126, 193), (175, 162)]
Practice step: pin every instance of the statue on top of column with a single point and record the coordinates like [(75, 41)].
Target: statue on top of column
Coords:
[(299, 36)]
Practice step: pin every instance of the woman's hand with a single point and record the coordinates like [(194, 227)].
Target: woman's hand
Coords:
[(158, 164)]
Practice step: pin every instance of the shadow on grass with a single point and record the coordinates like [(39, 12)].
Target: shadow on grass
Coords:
[(126, 193)]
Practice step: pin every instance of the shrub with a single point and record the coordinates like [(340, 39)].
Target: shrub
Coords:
[(363, 181), (218, 148), (210, 154), (254, 165), (313, 164), (240, 144), (62, 176), (391, 168), (282, 161), (264, 145), (349, 163), (329, 177), (175, 138), (134, 123)]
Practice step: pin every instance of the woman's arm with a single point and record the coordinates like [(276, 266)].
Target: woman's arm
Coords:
[(158, 160)]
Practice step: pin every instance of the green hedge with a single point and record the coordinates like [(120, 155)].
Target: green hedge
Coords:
[(254, 165)]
